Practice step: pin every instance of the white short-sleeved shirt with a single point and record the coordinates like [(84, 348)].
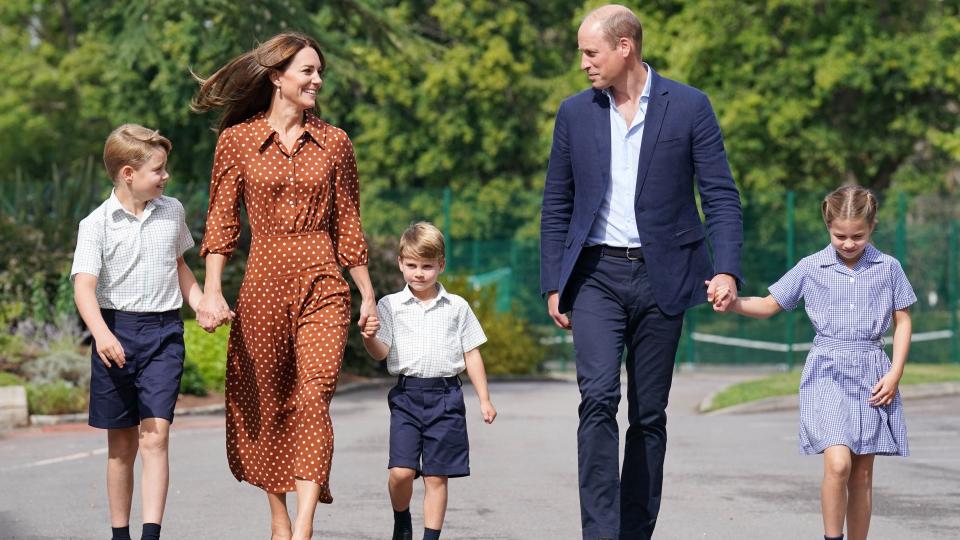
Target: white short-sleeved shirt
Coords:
[(427, 339), (134, 259)]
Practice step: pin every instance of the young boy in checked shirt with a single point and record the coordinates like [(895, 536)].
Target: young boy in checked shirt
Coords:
[(427, 336), (129, 282)]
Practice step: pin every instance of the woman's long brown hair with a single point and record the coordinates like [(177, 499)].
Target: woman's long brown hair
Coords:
[(242, 88)]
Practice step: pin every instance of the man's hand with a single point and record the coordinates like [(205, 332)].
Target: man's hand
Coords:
[(553, 309), (721, 291)]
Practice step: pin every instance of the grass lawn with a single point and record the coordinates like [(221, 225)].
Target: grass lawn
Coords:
[(785, 384)]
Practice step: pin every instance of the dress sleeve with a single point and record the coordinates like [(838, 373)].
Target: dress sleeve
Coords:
[(903, 295), (788, 290), (226, 192), (346, 231)]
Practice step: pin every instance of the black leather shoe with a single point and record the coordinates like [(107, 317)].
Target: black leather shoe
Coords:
[(399, 534)]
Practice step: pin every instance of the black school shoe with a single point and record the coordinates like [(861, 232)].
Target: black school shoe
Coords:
[(400, 534)]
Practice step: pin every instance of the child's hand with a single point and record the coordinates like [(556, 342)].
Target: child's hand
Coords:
[(110, 350), (370, 327), (885, 390), (488, 411)]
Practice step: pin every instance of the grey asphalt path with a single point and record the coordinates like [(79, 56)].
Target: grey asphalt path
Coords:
[(727, 477)]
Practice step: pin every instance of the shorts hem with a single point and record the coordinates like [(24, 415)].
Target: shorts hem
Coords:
[(101, 423)]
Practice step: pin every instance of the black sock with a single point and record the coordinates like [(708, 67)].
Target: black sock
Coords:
[(825, 537), (151, 531), (402, 520), (121, 533), (431, 534)]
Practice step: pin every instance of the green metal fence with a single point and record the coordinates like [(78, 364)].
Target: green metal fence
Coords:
[(779, 229)]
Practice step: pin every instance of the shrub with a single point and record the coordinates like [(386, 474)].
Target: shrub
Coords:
[(56, 398), (66, 366), (192, 381), (9, 379), (512, 347), (206, 353)]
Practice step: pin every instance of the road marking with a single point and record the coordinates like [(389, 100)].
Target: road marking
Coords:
[(54, 461)]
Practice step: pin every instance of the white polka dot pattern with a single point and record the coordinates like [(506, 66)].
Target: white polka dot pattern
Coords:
[(286, 344)]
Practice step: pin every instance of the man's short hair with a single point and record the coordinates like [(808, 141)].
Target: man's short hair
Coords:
[(133, 145), (422, 240), (617, 22)]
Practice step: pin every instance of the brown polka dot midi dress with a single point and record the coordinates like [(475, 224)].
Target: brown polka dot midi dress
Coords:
[(286, 343)]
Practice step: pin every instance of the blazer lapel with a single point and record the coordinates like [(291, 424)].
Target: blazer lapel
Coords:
[(653, 120), (601, 127)]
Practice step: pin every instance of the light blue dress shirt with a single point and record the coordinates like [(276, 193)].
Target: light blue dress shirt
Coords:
[(616, 223)]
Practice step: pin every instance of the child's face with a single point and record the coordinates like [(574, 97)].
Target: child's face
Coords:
[(147, 181), (420, 274), (850, 237)]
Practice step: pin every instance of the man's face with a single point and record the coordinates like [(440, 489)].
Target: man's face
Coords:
[(603, 64)]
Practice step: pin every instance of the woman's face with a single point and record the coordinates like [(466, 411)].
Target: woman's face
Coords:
[(299, 83)]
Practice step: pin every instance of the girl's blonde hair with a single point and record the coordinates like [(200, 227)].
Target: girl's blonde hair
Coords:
[(422, 240), (850, 202), (133, 145), (242, 88)]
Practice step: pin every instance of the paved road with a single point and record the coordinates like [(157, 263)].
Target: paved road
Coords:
[(727, 477)]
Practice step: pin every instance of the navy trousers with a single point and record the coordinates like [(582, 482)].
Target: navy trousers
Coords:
[(613, 310)]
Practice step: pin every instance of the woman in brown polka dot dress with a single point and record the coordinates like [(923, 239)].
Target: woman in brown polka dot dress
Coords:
[(297, 178)]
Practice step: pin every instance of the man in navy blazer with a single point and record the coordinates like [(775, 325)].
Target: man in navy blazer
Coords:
[(624, 253)]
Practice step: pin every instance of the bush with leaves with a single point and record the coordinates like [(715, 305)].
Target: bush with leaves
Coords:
[(206, 358)]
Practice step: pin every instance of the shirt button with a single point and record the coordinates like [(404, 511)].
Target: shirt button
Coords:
[(852, 306), (852, 280)]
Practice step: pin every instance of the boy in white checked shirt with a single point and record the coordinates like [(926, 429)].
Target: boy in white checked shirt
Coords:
[(427, 336), (129, 283)]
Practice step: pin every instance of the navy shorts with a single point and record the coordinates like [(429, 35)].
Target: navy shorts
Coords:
[(428, 426), (148, 384)]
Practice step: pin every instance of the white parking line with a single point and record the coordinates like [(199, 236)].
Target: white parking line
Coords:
[(54, 461)]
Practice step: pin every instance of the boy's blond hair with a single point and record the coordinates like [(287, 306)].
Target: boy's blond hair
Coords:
[(422, 240), (133, 145)]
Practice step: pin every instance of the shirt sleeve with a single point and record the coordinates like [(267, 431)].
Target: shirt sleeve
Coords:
[(471, 333), (184, 238), (903, 294), (346, 231), (88, 257), (385, 333), (226, 191), (788, 290)]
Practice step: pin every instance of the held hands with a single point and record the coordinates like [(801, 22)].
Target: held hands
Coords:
[(368, 323), (885, 390), (721, 292), (488, 411), (213, 311), (110, 350)]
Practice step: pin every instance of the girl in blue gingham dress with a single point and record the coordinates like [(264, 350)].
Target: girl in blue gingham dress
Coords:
[(850, 408)]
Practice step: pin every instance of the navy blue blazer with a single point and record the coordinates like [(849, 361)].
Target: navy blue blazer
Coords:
[(681, 143)]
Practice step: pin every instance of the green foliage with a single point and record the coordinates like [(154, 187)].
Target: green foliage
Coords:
[(192, 381), (9, 379), (56, 398), (206, 357), (59, 366), (512, 346)]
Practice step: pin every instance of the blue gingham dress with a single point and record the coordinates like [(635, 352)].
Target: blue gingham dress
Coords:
[(851, 310)]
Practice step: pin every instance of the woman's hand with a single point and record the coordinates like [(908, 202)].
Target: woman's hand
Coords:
[(213, 311), (368, 323)]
